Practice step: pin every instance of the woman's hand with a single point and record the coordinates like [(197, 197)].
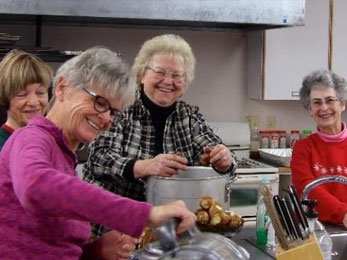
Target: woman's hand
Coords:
[(177, 209), (164, 165), (112, 245), (345, 221), (221, 157)]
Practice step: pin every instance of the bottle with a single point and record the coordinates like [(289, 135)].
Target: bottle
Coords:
[(283, 139), (294, 136), (254, 154), (262, 220), (254, 139), (264, 137), (274, 139), (271, 238), (305, 133), (323, 237)]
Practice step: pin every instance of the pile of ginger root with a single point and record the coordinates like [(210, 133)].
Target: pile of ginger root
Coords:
[(211, 213)]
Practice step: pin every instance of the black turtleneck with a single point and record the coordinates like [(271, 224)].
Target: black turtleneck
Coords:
[(159, 115)]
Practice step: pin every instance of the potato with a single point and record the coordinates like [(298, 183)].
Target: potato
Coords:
[(225, 219), (206, 202), (147, 236), (205, 159), (202, 216), (212, 213)]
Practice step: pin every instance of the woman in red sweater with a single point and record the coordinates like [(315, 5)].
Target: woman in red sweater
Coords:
[(324, 95)]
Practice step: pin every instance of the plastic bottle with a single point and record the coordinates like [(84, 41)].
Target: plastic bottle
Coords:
[(262, 220), (323, 238), (305, 133), (271, 238)]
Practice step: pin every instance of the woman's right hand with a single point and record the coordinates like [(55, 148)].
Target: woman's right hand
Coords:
[(164, 165), (178, 209)]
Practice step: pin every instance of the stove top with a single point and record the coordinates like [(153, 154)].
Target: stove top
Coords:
[(250, 166)]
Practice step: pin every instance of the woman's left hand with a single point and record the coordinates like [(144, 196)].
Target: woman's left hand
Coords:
[(221, 157), (112, 245)]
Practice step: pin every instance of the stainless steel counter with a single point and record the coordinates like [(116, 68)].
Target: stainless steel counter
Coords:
[(255, 253)]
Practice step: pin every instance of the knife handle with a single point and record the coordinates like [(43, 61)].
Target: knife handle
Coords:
[(299, 210), (291, 214), (277, 203), (297, 203), (289, 219)]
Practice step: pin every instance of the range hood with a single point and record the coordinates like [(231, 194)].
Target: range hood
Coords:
[(191, 14)]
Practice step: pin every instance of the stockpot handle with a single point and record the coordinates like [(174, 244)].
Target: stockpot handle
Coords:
[(233, 175)]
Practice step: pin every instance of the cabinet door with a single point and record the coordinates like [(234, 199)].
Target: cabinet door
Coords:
[(339, 38), (288, 54)]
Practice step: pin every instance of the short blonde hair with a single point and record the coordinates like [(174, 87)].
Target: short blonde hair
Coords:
[(167, 44), (19, 69)]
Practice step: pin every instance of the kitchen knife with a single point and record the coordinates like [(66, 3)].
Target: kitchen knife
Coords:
[(299, 210), (293, 220), (277, 203), (287, 218)]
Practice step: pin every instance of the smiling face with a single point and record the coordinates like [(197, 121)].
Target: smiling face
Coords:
[(26, 104), (84, 123), (163, 91), (326, 109)]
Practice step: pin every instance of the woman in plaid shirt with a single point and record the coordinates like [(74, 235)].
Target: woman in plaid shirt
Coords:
[(159, 134)]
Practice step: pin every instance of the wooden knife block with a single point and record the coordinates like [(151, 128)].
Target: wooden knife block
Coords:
[(309, 250)]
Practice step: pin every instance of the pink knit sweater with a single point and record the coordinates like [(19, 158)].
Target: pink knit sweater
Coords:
[(45, 209)]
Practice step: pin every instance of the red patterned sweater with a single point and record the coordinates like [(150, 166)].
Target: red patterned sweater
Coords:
[(313, 158)]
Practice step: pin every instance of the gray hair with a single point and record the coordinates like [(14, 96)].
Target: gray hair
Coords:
[(323, 79), (167, 44), (100, 68)]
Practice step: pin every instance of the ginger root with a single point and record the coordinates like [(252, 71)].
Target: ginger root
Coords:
[(211, 213)]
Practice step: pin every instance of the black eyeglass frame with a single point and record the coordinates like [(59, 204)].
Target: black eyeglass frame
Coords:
[(113, 111)]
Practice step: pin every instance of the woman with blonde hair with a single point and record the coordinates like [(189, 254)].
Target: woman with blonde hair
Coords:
[(24, 83), (160, 134)]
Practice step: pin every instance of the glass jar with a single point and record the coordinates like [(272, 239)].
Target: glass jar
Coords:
[(294, 137), (283, 139), (274, 139), (264, 139), (254, 139)]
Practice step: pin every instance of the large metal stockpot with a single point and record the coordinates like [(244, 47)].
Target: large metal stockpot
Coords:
[(190, 186)]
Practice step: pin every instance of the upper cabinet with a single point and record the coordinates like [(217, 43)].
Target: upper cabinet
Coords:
[(339, 38), (279, 59)]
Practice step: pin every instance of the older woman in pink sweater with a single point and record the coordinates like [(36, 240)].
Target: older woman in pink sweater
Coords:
[(45, 210)]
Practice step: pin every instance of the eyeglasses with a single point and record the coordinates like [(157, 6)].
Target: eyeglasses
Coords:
[(102, 105), (160, 74), (316, 103)]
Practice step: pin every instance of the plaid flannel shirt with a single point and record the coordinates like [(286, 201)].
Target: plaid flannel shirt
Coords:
[(132, 136)]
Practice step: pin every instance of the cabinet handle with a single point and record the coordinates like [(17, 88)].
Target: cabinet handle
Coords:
[(295, 94)]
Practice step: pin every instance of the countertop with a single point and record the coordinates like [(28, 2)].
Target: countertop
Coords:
[(255, 253)]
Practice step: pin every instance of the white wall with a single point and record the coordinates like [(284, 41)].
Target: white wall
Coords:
[(219, 88)]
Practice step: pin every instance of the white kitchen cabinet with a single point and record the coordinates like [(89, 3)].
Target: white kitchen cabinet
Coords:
[(339, 38), (278, 59)]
